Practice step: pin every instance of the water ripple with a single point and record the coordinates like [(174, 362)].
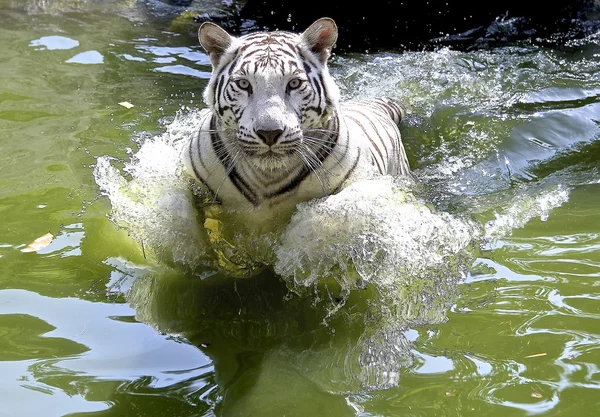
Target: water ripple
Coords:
[(87, 357)]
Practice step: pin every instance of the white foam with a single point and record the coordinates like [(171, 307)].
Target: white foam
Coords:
[(523, 209), (153, 201), (375, 226)]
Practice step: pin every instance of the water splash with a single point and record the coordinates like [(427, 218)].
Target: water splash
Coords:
[(376, 233), (373, 219), (523, 209), (153, 201)]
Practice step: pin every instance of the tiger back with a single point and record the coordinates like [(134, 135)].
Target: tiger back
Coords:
[(275, 133)]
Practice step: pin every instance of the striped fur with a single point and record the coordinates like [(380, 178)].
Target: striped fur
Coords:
[(275, 133)]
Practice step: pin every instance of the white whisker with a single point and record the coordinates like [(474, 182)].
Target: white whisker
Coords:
[(333, 154), (311, 167)]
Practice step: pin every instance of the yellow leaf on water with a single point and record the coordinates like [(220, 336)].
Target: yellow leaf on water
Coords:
[(126, 104), (537, 355), (40, 243)]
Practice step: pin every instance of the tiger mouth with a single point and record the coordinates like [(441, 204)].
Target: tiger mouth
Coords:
[(271, 160), (272, 153)]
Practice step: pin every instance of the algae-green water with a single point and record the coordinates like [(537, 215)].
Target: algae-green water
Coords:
[(472, 291)]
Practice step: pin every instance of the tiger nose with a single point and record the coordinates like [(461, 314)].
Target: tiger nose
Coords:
[(269, 136)]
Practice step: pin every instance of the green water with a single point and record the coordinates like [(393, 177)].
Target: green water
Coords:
[(89, 326)]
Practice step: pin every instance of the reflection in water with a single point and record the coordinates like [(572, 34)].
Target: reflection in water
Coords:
[(53, 42), (86, 58), (30, 395), (258, 334), (84, 358)]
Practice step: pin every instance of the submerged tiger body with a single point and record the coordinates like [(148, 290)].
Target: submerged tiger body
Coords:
[(275, 133)]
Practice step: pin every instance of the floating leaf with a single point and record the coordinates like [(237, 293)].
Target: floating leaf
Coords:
[(40, 243), (537, 355), (536, 395), (126, 104)]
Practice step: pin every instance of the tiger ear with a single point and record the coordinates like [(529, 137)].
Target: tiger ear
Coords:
[(214, 40), (320, 37)]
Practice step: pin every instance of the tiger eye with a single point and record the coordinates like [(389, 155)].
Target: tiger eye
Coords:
[(243, 84), (294, 83)]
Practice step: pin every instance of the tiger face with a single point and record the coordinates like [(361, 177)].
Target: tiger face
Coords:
[(271, 92)]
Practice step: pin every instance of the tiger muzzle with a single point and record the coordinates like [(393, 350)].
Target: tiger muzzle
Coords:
[(269, 137)]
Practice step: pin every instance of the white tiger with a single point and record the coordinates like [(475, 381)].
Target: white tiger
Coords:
[(275, 133)]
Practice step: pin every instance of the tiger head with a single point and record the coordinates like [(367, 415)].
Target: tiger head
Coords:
[(271, 91)]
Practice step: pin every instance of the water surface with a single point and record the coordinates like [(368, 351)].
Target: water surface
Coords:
[(499, 319)]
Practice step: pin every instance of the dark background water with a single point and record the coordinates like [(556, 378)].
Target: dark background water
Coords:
[(417, 25)]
